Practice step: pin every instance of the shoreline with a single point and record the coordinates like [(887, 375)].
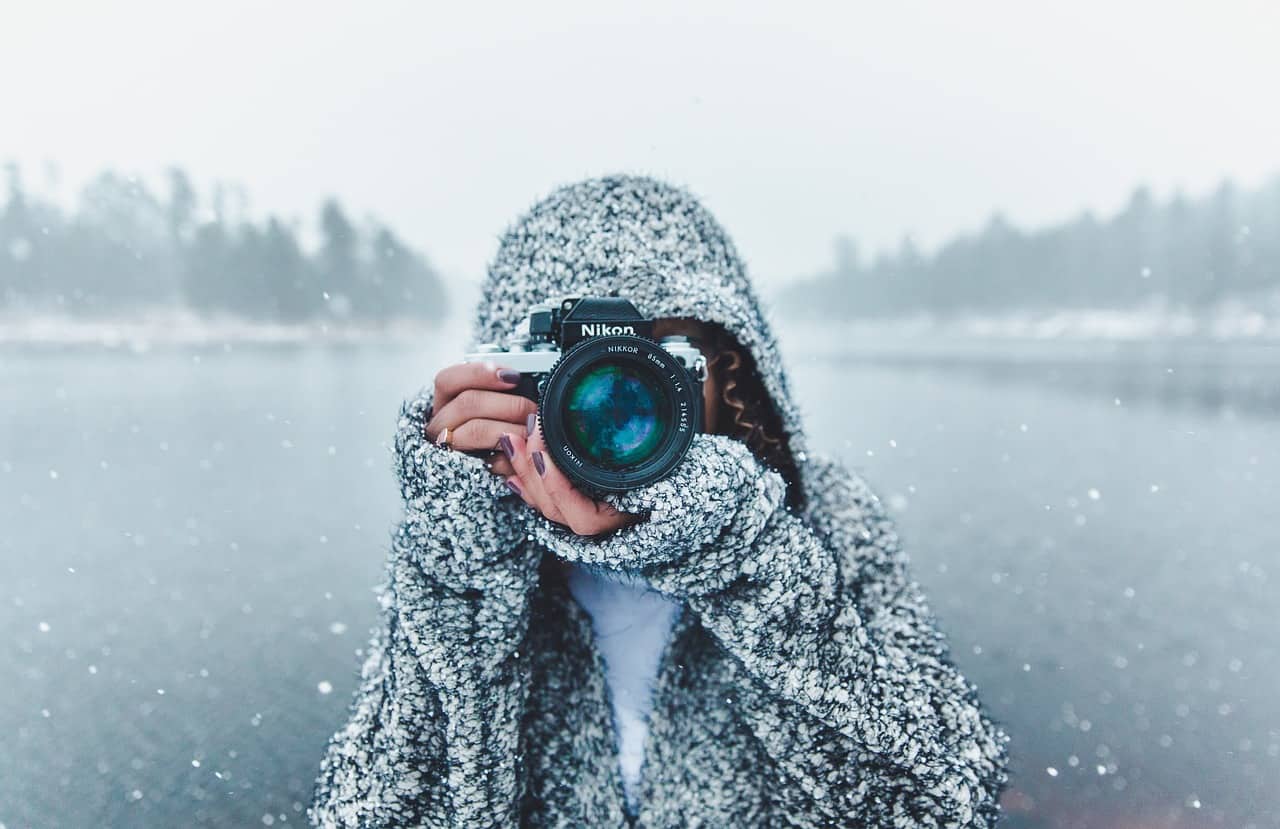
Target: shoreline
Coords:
[(1141, 334), (181, 329)]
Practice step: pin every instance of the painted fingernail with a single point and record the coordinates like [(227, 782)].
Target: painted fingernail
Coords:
[(508, 375), (531, 424), (505, 443), (539, 464), (514, 487)]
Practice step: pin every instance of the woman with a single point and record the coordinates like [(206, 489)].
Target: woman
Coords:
[(793, 676)]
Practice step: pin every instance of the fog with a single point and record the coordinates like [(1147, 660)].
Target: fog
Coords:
[(797, 124)]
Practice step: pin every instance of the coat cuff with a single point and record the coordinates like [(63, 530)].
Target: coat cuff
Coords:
[(461, 520), (697, 521)]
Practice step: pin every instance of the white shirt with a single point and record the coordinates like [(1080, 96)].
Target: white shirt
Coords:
[(632, 623)]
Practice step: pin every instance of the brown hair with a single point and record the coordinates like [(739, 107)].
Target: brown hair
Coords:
[(747, 412)]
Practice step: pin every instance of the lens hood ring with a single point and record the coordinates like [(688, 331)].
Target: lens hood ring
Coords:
[(675, 392)]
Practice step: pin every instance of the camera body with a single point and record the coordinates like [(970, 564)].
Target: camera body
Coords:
[(617, 409)]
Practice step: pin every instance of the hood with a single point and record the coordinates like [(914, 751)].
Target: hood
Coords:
[(643, 240)]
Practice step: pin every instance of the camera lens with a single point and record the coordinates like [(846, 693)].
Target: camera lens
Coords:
[(615, 415), (618, 412)]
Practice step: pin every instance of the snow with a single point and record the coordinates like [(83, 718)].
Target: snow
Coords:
[(1235, 320), (142, 331), (1155, 321)]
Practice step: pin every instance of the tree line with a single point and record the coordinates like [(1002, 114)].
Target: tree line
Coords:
[(1189, 253), (124, 248)]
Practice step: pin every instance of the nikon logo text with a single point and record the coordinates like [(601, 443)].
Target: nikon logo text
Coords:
[(600, 329)]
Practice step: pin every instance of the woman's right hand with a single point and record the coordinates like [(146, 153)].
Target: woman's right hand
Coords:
[(473, 401)]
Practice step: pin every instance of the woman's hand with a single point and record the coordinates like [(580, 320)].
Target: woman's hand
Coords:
[(545, 488), (473, 401)]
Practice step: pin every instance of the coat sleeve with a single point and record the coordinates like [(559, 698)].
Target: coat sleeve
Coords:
[(845, 679), (432, 737)]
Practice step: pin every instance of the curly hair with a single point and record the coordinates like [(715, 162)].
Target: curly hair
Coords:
[(747, 412)]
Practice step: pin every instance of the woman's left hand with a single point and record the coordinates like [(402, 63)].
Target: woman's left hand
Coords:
[(545, 488)]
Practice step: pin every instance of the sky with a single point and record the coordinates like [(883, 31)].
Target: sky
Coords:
[(793, 122)]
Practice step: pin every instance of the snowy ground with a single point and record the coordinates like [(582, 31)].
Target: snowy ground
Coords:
[(1229, 323), (160, 328)]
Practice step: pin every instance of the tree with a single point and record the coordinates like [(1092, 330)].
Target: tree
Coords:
[(294, 297), (339, 263), (402, 281), (1191, 253), (123, 249), (181, 208)]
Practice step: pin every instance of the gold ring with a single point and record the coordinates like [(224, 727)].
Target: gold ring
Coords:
[(445, 438)]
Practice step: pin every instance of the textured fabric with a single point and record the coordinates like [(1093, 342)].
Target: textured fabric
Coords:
[(805, 682), (632, 623)]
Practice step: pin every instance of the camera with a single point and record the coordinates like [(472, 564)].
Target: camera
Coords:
[(617, 409)]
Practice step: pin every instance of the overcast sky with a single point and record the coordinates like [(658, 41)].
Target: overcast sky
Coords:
[(875, 119)]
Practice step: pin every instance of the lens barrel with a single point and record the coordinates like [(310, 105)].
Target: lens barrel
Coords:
[(618, 412)]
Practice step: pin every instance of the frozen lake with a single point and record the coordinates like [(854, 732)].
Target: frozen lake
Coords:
[(189, 539)]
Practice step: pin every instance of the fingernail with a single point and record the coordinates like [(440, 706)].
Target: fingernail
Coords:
[(505, 443), (508, 375), (530, 424), (514, 487), (539, 464)]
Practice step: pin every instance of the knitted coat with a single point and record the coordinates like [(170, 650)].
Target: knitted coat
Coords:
[(805, 682)]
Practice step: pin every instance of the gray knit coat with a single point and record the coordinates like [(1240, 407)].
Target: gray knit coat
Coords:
[(805, 682)]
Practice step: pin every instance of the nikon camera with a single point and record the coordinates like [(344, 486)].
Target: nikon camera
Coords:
[(617, 409)]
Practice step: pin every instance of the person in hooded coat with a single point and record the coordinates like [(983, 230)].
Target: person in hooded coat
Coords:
[(739, 644)]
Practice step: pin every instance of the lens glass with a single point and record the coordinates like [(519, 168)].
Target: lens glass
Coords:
[(616, 415)]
